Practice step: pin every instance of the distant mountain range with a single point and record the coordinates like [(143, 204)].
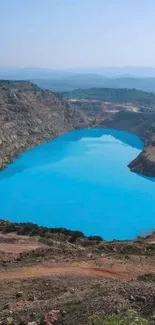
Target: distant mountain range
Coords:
[(68, 80), (96, 81)]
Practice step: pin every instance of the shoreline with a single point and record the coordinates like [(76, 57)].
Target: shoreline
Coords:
[(31, 229), (142, 164)]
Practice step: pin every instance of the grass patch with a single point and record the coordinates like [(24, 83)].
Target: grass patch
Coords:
[(148, 277), (127, 318)]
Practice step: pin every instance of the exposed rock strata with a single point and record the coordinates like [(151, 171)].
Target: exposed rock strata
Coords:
[(30, 116)]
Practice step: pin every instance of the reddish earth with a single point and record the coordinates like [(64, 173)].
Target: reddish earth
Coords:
[(34, 272), (18, 248), (114, 266), (39, 275), (100, 267)]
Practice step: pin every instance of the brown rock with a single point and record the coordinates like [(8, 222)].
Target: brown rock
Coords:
[(19, 294)]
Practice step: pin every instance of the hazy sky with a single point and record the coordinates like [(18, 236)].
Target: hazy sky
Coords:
[(77, 33)]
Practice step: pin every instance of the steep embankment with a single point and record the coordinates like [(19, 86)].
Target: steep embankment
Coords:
[(143, 125), (29, 116)]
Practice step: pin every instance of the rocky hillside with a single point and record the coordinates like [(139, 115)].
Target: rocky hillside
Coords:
[(143, 125), (29, 116)]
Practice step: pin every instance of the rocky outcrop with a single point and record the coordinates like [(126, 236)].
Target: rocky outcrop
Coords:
[(143, 164), (143, 125), (30, 116)]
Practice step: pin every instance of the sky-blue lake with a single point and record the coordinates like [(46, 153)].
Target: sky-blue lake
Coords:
[(81, 181)]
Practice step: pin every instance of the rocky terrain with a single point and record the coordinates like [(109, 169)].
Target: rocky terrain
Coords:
[(61, 277), (143, 125), (127, 116), (30, 116)]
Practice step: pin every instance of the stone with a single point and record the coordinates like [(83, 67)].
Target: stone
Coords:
[(72, 290), (64, 312), (19, 294), (132, 298)]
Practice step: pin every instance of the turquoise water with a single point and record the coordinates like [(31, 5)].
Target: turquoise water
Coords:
[(81, 181)]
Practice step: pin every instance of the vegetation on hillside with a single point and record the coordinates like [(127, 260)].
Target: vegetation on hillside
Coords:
[(148, 277), (21, 85), (31, 229), (127, 318), (114, 95)]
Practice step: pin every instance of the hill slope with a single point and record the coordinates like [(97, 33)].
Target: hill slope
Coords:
[(29, 116)]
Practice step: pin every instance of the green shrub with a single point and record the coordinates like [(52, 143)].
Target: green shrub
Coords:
[(147, 277), (75, 235), (95, 238), (127, 318)]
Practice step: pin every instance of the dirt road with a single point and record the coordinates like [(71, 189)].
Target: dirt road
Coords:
[(39, 271)]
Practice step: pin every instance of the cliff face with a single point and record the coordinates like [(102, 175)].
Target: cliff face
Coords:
[(143, 125), (144, 163), (30, 116)]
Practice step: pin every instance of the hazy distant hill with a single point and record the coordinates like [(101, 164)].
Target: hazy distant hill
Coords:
[(146, 84), (71, 82), (91, 80), (68, 80), (32, 73)]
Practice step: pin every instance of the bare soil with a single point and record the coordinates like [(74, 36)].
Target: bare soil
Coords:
[(72, 281)]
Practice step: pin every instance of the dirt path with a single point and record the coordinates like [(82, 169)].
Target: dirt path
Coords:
[(39, 271)]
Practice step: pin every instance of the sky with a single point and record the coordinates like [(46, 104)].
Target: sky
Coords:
[(62, 34)]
